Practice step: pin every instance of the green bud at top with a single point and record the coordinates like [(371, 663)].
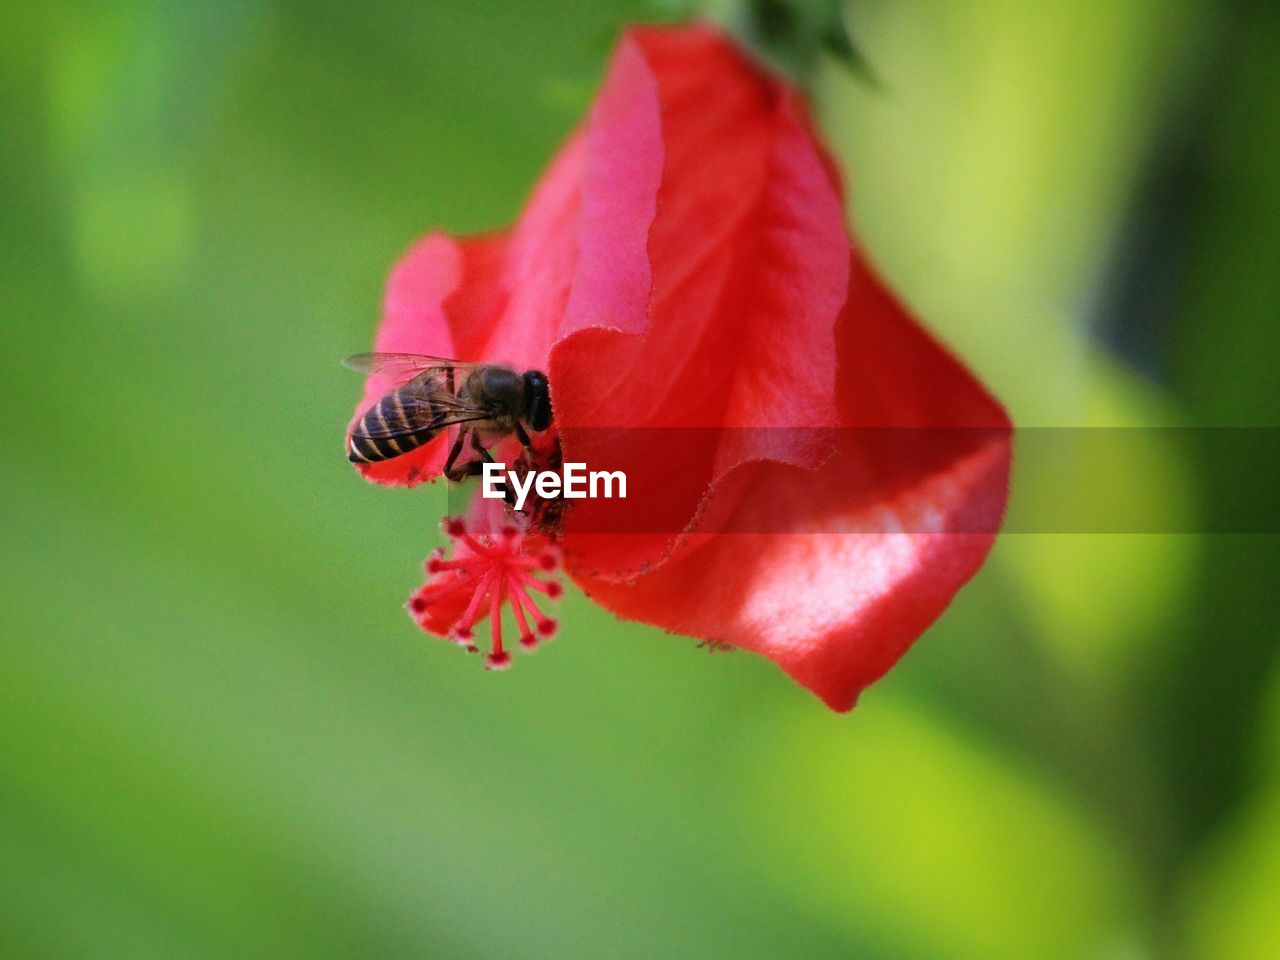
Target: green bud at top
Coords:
[(792, 36)]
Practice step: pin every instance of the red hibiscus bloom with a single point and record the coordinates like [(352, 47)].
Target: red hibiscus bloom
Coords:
[(812, 477)]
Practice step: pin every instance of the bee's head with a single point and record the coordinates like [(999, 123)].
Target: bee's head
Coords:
[(537, 400)]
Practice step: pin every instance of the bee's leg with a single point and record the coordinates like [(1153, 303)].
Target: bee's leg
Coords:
[(476, 468), (453, 456), (524, 440), (526, 443)]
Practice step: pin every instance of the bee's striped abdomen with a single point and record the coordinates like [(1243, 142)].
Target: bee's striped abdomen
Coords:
[(396, 424)]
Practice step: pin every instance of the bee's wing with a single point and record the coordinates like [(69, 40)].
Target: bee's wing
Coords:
[(409, 426), (400, 364), (422, 405)]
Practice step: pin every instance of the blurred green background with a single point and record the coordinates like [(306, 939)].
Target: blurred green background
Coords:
[(221, 737)]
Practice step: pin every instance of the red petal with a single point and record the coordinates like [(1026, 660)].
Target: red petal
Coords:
[(749, 263), (621, 174), (837, 604)]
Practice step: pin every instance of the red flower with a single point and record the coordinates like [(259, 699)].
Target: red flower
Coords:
[(811, 476)]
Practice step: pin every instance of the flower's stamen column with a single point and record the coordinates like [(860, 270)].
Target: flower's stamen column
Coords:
[(546, 626), (551, 588), (456, 527), (434, 592), (498, 658), (439, 566), (528, 639), (492, 570), (462, 634)]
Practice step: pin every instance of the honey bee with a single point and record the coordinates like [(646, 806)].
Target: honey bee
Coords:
[(489, 402)]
